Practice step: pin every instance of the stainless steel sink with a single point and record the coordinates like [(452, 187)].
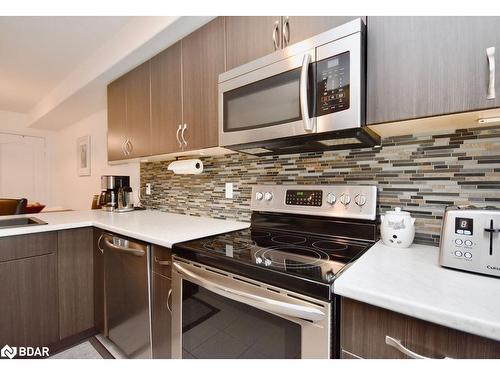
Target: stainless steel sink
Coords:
[(20, 222)]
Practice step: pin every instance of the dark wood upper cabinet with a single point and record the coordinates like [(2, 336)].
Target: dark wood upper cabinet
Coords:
[(364, 329), (29, 310), (166, 99), (129, 115), (76, 281), (117, 119), (249, 38), (428, 66), (298, 28), (139, 111), (202, 62)]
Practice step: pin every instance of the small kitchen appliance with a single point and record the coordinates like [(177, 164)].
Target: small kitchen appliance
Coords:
[(397, 228), (267, 291), (116, 194), (470, 239)]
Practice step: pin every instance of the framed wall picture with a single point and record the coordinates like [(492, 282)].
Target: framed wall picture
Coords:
[(83, 155)]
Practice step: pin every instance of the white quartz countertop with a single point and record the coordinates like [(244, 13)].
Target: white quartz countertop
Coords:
[(410, 281), (160, 228)]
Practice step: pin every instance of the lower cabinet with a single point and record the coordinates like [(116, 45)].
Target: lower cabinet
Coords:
[(161, 301), (28, 308), (76, 281), (372, 332)]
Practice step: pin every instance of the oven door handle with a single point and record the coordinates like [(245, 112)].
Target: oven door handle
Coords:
[(263, 303), (304, 100)]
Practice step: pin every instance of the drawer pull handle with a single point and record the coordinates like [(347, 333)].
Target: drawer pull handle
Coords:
[(163, 262), (395, 343)]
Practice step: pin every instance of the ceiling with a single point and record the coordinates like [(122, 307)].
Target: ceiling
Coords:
[(39, 52)]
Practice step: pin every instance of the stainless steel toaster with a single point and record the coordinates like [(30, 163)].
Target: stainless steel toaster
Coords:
[(470, 239)]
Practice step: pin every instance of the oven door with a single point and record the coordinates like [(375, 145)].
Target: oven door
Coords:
[(216, 314), (269, 102)]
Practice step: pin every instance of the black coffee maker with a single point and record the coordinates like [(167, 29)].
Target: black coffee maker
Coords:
[(116, 194)]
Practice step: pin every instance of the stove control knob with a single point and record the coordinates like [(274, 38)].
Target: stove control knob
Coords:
[(258, 260), (360, 200), (345, 199), (331, 198), (267, 262), (330, 276), (259, 196), (268, 196)]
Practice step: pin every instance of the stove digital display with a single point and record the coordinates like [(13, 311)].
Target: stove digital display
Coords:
[(304, 198)]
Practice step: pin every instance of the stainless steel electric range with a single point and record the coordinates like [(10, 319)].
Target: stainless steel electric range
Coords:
[(267, 291)]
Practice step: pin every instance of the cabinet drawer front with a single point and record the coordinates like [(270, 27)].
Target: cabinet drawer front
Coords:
[(364, 328), (366, 331), (162, 261), (27, 245)]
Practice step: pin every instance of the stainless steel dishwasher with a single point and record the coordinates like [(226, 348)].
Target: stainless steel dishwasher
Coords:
[(127, 291)]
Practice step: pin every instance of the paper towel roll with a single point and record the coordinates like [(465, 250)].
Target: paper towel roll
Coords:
[(190, 166)]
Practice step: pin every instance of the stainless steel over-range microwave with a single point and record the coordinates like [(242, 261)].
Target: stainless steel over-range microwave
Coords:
[(309, 96)]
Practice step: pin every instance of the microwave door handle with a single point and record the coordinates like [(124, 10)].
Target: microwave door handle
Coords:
[(304, 100), (267, 304)]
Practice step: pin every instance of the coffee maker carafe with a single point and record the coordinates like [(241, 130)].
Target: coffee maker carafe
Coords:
[(116, 194)]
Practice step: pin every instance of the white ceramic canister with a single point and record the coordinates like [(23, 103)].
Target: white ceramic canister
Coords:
[(397, 228)]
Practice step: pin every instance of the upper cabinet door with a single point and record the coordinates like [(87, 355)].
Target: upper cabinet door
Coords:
[(249, 38), (427, 66), (138, 112), (166, 100), (202, 62), (298, 28), (117, 119)]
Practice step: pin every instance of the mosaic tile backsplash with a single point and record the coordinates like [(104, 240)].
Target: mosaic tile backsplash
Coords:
[(423, 174)]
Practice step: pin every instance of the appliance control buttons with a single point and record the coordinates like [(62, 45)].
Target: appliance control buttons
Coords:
[(258, 260), (259, 196), (268, 196), (468, 243), (458, 253), (458, 241), (467, 232), (267, 262), (331, 198), (345, 199), (468, 255), (360, 200)]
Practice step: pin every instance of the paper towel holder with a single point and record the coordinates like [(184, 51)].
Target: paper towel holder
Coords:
[(188, 166)]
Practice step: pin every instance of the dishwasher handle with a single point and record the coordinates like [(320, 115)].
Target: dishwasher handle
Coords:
[(124, 249)]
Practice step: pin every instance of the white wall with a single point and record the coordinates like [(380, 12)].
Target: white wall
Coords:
[(69, 190)]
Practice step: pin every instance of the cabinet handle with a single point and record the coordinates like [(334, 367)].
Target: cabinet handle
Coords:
[(490, 52), (182, 135), (123, 148), (163, 262), (129, 147), (169, 307), (286, 31), (99, 243), (275, 35), (177, 135), (395, 343)]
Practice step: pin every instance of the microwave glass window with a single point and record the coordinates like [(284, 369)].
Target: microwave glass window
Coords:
[(463, 225), (271, 101), (332, 84)]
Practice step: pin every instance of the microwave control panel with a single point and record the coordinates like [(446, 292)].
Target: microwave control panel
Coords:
[(332, 84)]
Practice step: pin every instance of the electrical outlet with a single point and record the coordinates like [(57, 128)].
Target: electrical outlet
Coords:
[(148, 189), (229, 190)]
